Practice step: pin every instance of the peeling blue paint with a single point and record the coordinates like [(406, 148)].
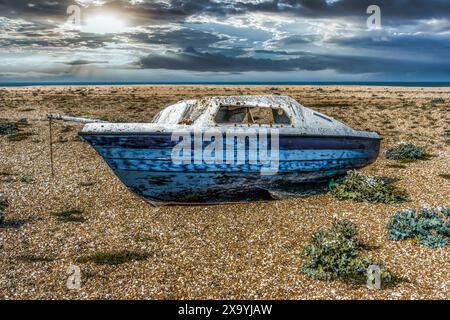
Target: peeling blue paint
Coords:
[(142, 162)]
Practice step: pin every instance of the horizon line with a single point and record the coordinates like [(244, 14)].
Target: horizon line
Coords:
[(112, 83)]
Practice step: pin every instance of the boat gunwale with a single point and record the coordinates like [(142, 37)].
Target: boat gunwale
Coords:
[(86, 134)]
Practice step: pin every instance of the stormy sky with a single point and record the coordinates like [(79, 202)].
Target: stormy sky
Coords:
[(223, 41)]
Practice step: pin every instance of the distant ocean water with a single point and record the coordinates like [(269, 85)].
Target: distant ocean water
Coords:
[(379, 84)]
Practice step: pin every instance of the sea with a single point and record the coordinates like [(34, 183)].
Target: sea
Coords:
[(378, 84)]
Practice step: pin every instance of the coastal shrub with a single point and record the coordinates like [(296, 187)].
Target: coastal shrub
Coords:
[(31, 258), (406, 151), (437, 100), (20, 136), (3, 205), (335, 253), (364, 188), (8, 128), (70, 216), (114, 257), (397, 166), (428, 226)]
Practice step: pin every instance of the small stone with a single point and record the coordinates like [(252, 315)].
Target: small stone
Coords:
[(23, 121)]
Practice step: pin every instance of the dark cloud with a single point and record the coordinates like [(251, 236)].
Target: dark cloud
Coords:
[(81, 62), (82, 40), (192, 60), (308, 8), (181, 38), (401, 41), (408, 46), (297, 39), (34, 9), (178, 9)]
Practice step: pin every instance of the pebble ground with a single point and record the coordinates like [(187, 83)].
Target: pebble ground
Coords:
[(231, 251)]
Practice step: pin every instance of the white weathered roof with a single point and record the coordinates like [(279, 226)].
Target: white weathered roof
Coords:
[(203, 112)]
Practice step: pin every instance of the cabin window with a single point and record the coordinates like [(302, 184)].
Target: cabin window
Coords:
[(251, 115)]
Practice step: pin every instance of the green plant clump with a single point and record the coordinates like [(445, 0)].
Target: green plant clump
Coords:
[(8, 128), (364, 188), (3, 202), (429, 226), (3, 205), (114, 257), (70, 216), (31, 258), (334, 253), (406, 151), (20, 136)]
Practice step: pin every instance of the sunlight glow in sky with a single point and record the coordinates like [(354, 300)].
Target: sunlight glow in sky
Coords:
[(104, 24)]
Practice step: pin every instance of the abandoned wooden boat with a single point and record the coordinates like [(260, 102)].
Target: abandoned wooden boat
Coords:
[(199, 150)]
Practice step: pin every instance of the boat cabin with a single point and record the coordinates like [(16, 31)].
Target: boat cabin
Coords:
[(265, 111)]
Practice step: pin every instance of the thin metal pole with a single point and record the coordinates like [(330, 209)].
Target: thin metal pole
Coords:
[(51, 146), (57, 116)]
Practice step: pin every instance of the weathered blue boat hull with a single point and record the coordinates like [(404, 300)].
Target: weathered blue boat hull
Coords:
[(143, 163)]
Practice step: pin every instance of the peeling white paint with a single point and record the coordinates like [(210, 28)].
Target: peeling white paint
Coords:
[(304, 121)]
